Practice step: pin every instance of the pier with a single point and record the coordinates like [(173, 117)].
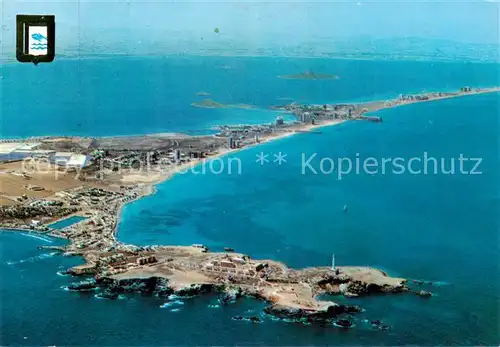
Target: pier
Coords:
[(53, 248)]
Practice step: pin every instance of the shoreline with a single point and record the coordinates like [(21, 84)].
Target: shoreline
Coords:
[(152, 186), (148, 188), (484, 90), (300, 131), (190, 270)]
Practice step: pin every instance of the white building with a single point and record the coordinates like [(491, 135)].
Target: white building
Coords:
[(70, 159)]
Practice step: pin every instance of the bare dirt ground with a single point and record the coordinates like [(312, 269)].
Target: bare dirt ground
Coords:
[(7, 202), (183, 279), (17, 178), (297, 295)]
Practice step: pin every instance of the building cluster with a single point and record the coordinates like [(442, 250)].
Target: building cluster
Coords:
[(231, 142), (148, 159), (305, 117), (311, 114), (232, 267), (89, 197), (97, 205), (240, 135), (146, 260), (237, 138), (45, 203), (413, 97)]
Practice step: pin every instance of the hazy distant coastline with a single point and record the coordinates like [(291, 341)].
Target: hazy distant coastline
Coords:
[(209, 103)]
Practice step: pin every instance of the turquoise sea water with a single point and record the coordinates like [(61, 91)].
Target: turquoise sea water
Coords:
[(67, 222), (119, 96), (431, 227)]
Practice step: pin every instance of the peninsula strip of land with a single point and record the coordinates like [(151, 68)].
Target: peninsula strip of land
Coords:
[(209, 103), (38, 190)]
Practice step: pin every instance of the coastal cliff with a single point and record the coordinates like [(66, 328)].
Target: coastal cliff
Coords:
[(304, 308), (117, 268), (189, 271)]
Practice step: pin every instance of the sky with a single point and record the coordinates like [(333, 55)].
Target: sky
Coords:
[(91, 23)]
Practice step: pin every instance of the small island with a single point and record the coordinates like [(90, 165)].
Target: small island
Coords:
[(209, 103), (309, 75), (203, 94)]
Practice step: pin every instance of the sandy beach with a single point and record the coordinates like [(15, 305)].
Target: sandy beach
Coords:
[(146, 180), (372, 107)]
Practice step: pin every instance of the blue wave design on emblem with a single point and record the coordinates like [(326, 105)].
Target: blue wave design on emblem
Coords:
[(38, 46)]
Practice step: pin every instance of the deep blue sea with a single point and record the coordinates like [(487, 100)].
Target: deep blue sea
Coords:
[(436, 227), (124, 96)]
